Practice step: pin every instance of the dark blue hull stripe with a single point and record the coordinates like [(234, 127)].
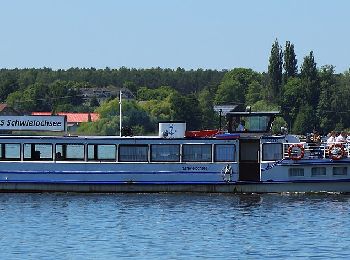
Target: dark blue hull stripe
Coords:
[(104, 172), (174, 182), (314, 162)]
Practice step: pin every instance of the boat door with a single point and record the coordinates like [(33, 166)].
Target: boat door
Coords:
[(249, 162)]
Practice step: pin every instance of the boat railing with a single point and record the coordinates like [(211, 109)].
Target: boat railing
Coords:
[(306, 150)]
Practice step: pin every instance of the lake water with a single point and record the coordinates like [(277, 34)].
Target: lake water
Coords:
[(174, 226)]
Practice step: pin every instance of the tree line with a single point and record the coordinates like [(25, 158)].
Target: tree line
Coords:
[(309, 97)]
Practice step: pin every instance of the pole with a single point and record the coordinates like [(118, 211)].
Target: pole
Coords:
[(120, 112), (220, 111)]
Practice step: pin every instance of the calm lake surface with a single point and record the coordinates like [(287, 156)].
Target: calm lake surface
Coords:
[(174, 226)]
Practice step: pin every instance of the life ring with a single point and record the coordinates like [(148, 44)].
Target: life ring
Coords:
[(292, 154), (339, 149)]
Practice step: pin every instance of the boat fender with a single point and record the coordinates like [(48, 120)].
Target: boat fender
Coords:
[(292, 154), (227, 173), (336, 151)]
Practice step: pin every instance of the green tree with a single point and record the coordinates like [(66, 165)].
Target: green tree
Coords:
[(305, 121), (277, 124), (275, 72), (309, 77), (156, 102), (209, 118), (326, 115), (62, 93), (8, 84), (254, 93), (159, 93), (235, 85), (290, 62), (263, 105), (186, 108), (33, 98), (293, 99), (133, 116), (94, 102)]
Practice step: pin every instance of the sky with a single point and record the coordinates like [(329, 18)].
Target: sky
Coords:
[(191, 34)]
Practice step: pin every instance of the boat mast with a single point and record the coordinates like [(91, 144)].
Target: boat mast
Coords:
[(120, 112)]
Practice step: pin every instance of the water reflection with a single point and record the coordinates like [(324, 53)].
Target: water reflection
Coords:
[(175, 226)]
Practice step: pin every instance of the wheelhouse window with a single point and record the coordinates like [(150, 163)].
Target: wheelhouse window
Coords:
[(133, 153), (36, 152), (272, 152), (10, 152), (69, 152), (196, 153), (225, 153), (165, 153), (101, 152)]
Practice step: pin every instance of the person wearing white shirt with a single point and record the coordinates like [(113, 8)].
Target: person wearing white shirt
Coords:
[(348, 138), (340, 138), (241, 127), (331, 138)]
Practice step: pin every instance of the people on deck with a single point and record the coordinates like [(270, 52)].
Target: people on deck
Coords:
[(348, 138), (341, 138), (241, 126), (331, 138), (316, 138)]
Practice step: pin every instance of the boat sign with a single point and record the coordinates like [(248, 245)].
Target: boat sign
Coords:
[(33, 123)]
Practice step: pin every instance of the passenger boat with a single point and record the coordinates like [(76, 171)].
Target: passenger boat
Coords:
[(234, 161)]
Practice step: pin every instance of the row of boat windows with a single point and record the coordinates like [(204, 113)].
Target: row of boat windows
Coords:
[(318, 171), (121, 153)]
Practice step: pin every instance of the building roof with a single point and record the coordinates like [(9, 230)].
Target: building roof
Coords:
[(7, 110), (2, 106), (72, 117), (224, 109)]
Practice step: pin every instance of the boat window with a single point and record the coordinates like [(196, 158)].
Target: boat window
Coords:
[(272, 152), (249, 123), (340, 170), (11, 152), (296, 172), (101, 152), (225, 153), (69, 152), (37, 152), (165, 153), (196, 153), (133, 153), (318, 171)]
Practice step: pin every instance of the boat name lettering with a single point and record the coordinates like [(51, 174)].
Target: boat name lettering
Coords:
[(33, 123), (15, 123), (194, 168)]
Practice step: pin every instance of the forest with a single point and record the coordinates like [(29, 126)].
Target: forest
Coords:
[(309, 96)]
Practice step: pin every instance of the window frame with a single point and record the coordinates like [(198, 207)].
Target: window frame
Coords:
[(183, 154), (38, 159), (133, 145), (340, 167), (96, 159), (70, 159), (234, 159), (263, 149), (315, 171), (299, 169), (3, 152), (178, 159)]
